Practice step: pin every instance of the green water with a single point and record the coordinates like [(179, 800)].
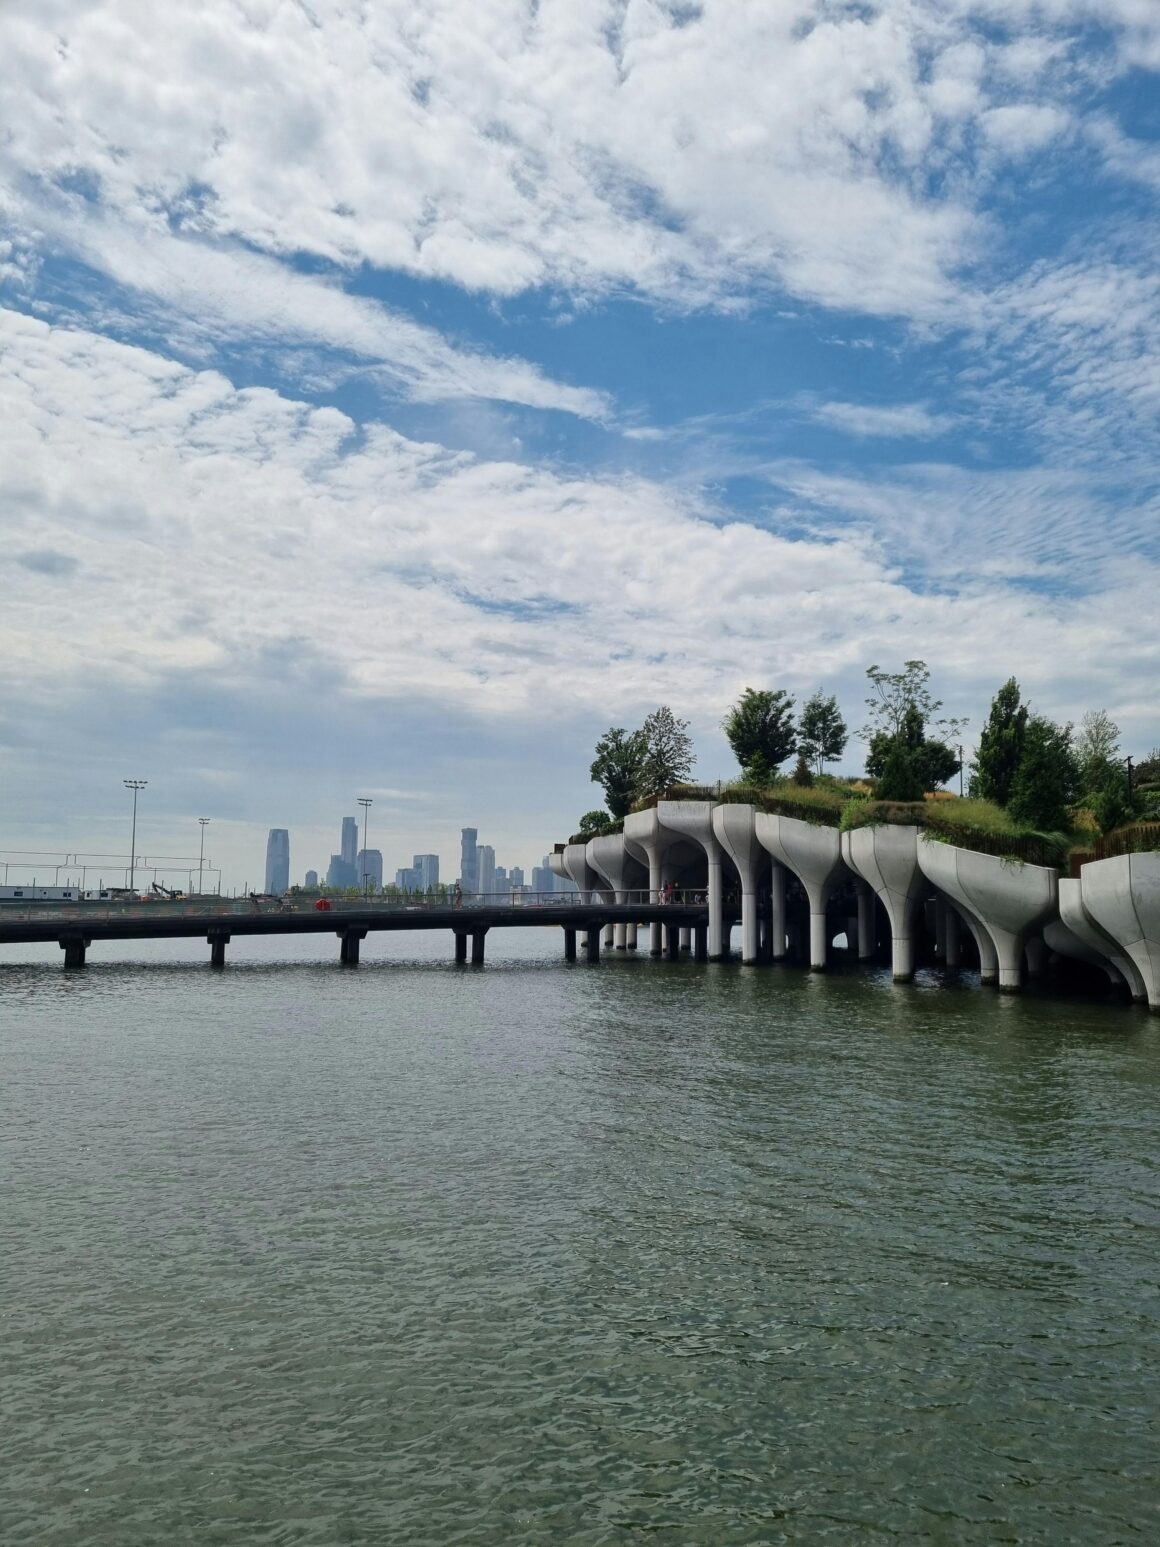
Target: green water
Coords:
[(548, 1253)]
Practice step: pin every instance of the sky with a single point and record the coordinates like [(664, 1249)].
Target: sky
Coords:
[(395, 395)]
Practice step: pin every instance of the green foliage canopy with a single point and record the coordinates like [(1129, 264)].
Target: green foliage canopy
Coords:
[(617, 767), (1000, 746), (760, 729), (822, 733)]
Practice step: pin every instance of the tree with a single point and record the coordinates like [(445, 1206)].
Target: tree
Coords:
[(895, 693), (760, 729), (899, 778), (1097, 750), (1045, 782), (668, 757), (822, 733), (803, 774), (1000, 745), (594, 824), (931, 762), (617, 767)]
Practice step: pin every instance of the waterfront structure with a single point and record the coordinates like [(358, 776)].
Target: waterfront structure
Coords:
[(900, 890), (469, 859), (311, 881), (370, 868), (278, 861)]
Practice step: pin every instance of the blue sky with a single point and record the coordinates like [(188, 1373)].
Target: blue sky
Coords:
[(396, 396)]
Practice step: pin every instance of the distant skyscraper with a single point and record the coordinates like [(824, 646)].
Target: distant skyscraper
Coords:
[(516, 876), (311, 880), (370, 868), (407, 880), (485, 869), (341, 873), (349, 840), (278, 861), (469, 860), (426, 868), (542, 879)]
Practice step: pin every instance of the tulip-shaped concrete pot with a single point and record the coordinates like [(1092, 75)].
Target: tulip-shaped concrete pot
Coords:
[(662, 852), (1011, 899), (887, 859), (733, 827), (814, 854), (692, 820), (1123, 897), (609, 857), (1083, 927)]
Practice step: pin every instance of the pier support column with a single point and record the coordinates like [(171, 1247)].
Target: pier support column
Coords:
[(73, 947), (592, 943), (630, 937), (1037, 954), (217, 948), (865, 921), (569, 945), (609, 936), (673, 942), (953, 937), (655, 882), (685, 938), (777, 943), (701, 943), (478, 936), (715, 914), (940, 931), (620, 931), (348, 951), (460, 947)]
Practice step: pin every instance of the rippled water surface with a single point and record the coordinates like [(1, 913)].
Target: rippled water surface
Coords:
[(560, 1253)]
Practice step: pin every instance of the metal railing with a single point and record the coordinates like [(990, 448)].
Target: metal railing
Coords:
[(242, 907)]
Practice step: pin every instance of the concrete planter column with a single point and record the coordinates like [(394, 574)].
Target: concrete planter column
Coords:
[(692, 821), (814, 854), (1083, 928), (734, 829), (1011, 900), (1122, 895), (887, 858)]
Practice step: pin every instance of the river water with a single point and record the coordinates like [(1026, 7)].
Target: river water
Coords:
[(543, 1253)]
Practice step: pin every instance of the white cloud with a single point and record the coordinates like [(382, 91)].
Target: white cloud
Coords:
[(903, 420), (234, 532), (584, 145)]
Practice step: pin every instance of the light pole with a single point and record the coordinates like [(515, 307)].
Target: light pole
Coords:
[(203, 822), (960, 770), (134, 785), (366, 804)]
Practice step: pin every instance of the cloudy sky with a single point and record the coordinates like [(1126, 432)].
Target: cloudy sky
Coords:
[(396, 394)]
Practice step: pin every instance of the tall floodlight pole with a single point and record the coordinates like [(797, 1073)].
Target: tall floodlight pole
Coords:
[(366, 804), (203, 821), (134, 785)]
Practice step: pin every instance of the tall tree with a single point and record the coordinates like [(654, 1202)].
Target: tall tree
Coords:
[(668, 757), (760, 729), (1097, 748), (617, 766), (931, 761), (1045, 783), (1000, 745), (822, 733), (895, 693)]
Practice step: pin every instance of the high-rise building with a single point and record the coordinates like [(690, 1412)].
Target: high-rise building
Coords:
[(516, 875), (407, 880), (278, 861), (349, 840), (341, 873), (426, 868), (485, 869), (370, 868), (469, 860), (542, 879), (311, 880)]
